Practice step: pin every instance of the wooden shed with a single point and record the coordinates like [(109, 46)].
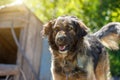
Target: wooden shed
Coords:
[(20, 43)]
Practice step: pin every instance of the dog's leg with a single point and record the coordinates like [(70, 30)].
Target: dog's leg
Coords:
[(103, 69), (90, 70), (55, 75)]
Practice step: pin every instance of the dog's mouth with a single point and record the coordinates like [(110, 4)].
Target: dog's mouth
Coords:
[(63, 48)]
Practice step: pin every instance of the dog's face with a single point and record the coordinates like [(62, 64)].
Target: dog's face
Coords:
[(64, 32)]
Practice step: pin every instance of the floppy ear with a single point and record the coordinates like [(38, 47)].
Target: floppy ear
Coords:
[(47, 28), (82, 29)]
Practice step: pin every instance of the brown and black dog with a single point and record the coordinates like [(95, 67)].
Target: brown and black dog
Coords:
[(77, 55)]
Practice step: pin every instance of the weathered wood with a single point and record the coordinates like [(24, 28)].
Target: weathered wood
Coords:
[(8, 24), (33, 42), (22, 40), (13, 8), (6, 69), (16, 13), (30, 38), (38, 48), (30, 47), (12, 14)]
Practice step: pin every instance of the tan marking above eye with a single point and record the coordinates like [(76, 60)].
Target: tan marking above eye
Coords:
[(64, 23)]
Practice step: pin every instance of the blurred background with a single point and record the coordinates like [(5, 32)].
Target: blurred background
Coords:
[(94, 13)]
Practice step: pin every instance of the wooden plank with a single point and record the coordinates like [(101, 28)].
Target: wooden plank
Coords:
[(8, 24), (29, 50), (33, 48), (34, 42), (13, 7), (22, 40), (14, 17), (27, 70), (30, 41), (12, 14), (38, 48), (6, 69)]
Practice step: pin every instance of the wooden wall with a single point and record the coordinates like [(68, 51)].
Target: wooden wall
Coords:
[(30, 39)]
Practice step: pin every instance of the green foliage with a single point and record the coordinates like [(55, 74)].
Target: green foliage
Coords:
[(109, 11), (53, 8), (115, 62), (94, 13)]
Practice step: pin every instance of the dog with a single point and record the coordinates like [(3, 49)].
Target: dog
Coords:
[(77, 54)]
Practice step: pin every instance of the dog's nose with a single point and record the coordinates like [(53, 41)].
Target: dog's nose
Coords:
[(61, 39)]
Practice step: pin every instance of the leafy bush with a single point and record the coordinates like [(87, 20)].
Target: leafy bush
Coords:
[(115, 62)]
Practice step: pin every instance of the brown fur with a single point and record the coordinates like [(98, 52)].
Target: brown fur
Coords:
[(85, 59)]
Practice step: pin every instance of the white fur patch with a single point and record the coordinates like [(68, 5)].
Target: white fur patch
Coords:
[(63, 52)]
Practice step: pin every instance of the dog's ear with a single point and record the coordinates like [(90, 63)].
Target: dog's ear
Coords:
[(81, 28), (47, 28)]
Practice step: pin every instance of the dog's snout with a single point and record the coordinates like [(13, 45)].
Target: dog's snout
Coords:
[(61, 39)]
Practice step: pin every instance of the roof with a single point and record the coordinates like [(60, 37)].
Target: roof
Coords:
[(17, 13), (12, 7)]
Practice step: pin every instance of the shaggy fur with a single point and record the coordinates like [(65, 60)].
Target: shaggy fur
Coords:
[(76, 55)]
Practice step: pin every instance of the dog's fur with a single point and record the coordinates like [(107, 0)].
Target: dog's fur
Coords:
[(77, 55)]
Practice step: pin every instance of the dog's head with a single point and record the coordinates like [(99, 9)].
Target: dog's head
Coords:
[(64, 32)]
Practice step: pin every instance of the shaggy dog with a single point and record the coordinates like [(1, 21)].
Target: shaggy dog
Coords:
[(77, 55)]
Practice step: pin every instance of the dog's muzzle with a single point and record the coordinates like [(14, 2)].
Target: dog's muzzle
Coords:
[(61, 41)]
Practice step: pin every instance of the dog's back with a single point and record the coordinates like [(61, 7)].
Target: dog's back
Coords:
[(100, 58)]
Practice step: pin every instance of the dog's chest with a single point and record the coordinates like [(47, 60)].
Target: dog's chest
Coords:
[(82, 61)]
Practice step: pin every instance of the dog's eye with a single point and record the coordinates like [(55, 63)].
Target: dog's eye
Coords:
[(56, 29), (70, 28)]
